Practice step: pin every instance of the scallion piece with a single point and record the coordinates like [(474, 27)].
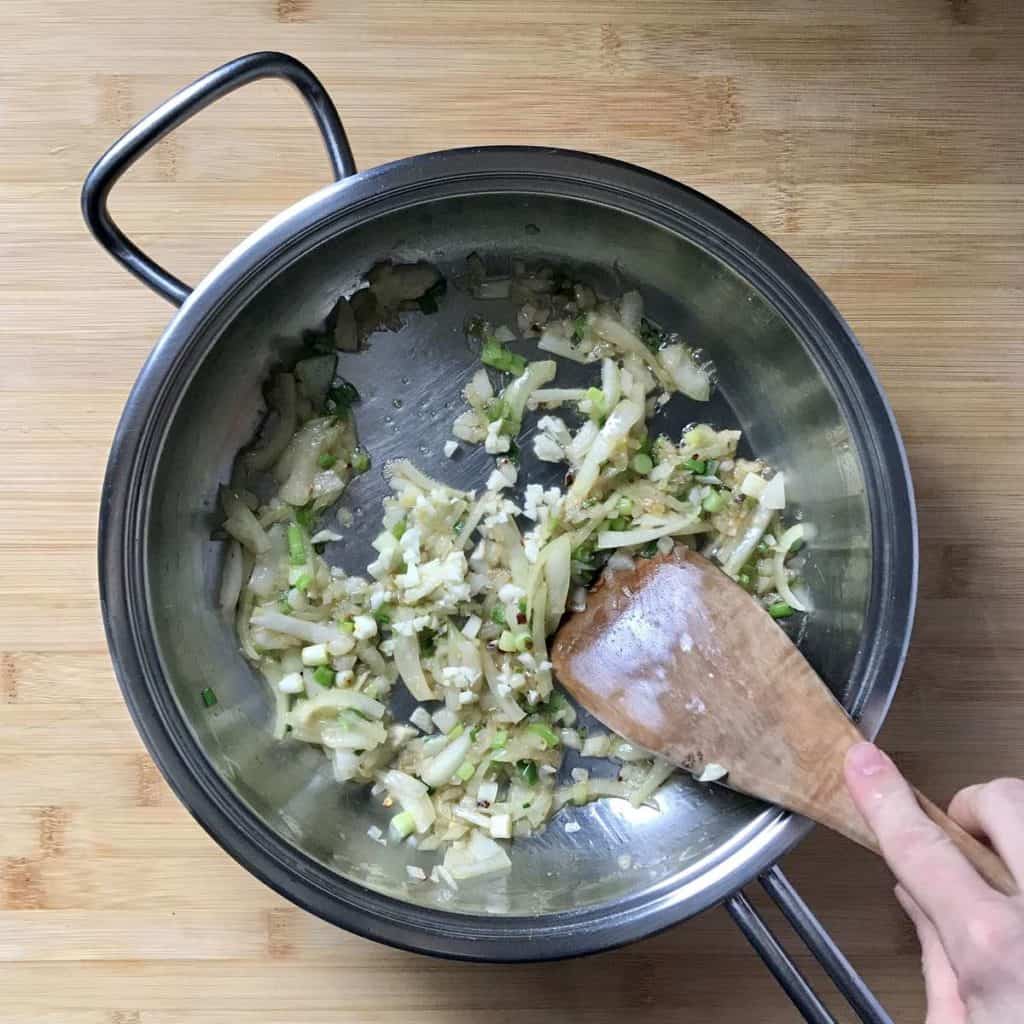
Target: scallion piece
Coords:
[(456, 732), (780, 610), (498, 615), (500, 739), (303, 582), (598, 409), (642, 463), (360, 461), (698, 466), (296, 544), (714, 502), (527, 772), (326, 460), (545, 732), (323, 675), (209, 698), (495, 354), (466, 770), (403, 824), (348, 626), (398, 529)]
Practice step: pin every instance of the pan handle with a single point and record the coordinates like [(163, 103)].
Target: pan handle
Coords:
[(826, 952), (174, 112)]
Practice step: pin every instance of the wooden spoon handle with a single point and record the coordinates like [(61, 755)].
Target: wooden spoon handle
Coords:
[(986, 862)]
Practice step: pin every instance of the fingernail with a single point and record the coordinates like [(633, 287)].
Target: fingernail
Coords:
[(866, 759)]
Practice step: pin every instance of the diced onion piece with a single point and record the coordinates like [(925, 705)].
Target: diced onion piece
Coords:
[(231, 579), (612, 435), (475, 858), (407, 661), (753, 485), (774, 494), (441, 768), (412, 795), (535, 376), (557, 344), (687, 375)]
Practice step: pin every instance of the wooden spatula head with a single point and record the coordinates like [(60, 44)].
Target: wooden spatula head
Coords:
[(676, 657)]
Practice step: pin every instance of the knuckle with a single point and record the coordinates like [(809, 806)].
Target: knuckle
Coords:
[(917, 841), (1000, 792), (993, 938)]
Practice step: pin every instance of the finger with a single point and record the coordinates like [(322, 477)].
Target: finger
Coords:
[(920, 855), (995, 811), (941, 989)]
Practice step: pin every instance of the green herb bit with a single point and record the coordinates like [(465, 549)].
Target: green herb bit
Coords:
[(466, 770), (498, 615), (618, 523), (383, 614), (456, 732), (303, 582), (650, 335), (323, 676), (209, 698), (496, 355), (399, 529), (348, 626), (625, 507), (326, 460), (527, 772), (500, 739), (696, 466), (545, 732), (360, 460), (642, 463), (649, 549), (304, 516), (796, 545), (579, 326), (296, 544), (341, 398), (780, 610)]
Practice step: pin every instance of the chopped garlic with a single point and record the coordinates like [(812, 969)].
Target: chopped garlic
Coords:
[(291, 683), (365, 627)]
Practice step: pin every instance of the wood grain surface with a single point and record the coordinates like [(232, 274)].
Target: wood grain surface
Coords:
[(881, 143)]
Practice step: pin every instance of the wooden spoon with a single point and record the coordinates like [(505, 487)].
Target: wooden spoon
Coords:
[(676, 657)]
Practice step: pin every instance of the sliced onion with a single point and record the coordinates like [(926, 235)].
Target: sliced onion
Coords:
[(780, 577)]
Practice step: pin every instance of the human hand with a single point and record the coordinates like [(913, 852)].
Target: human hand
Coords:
[(972, 937)]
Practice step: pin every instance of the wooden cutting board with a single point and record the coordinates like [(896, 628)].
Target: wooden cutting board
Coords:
[(880, 144)]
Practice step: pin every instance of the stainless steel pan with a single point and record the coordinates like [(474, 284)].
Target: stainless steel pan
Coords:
[(791, 376)]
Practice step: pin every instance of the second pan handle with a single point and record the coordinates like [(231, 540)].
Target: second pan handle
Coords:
[(174, 112)]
